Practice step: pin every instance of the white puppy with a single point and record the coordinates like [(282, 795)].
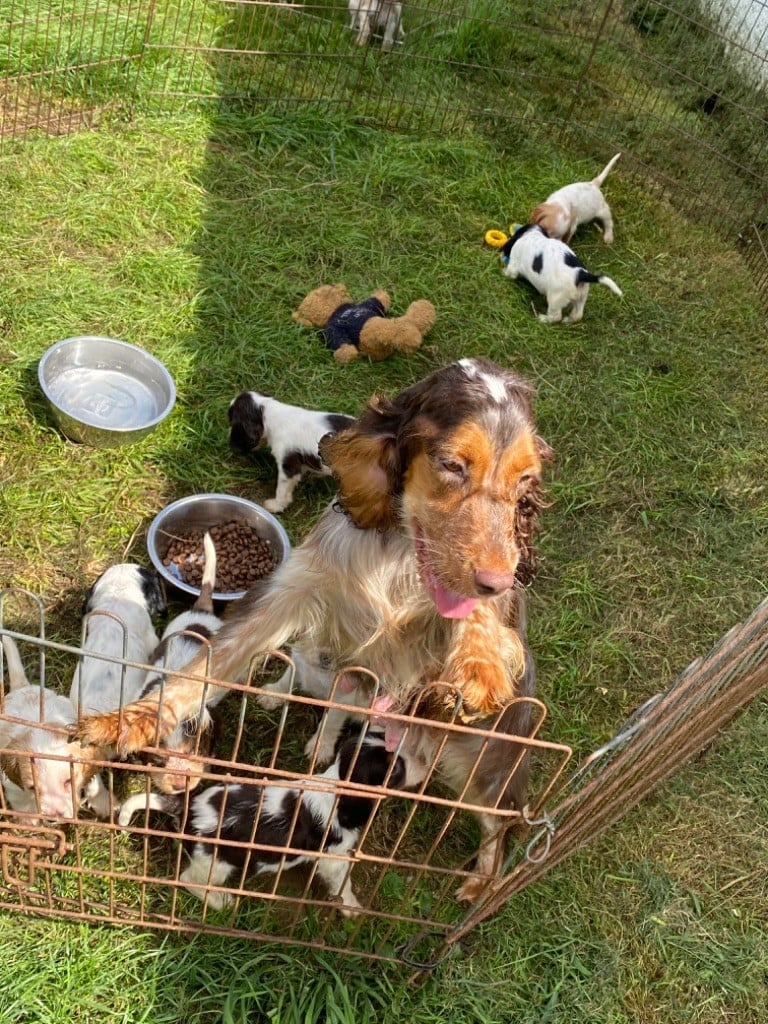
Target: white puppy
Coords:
[(292, 433), (564, 210), (554, 270), (117, 623), (40, 770), (367, 16), (192, 739)]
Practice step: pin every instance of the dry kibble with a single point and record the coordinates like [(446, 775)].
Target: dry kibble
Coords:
[(242, 556)]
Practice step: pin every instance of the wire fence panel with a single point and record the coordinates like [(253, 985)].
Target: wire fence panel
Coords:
[(406, 886), (680, 88), (260, 840)]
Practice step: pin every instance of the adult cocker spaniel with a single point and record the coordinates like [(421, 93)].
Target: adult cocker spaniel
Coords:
[(416, 571)]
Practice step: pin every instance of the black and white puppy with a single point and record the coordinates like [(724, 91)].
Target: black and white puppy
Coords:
[(306, 821), (117, 623), (554, 270), (182, 639), (292, 433)]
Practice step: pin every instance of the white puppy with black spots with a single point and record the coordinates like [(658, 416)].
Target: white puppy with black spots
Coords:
[(117, 628), (219, 824), (292, 433), (554, 270)]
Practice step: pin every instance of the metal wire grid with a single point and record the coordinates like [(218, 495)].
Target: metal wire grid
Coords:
[(708, 148), (63, 70), (407, 864), (663, 734)]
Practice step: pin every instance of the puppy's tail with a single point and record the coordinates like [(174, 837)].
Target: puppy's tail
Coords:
[(17, 677), (605, 171), (586, 277), (204, 603), (168, 803)]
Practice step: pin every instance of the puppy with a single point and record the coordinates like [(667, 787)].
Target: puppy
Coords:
[(554, 270), (563, 211), (292, 433), (41, 771), (181, 641), (117, 623), (367, 16), (318, 819)]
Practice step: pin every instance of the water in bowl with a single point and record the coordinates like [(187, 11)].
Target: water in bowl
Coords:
[(104, 398)]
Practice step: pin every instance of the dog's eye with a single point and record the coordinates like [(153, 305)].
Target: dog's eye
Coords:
[(454, 467)]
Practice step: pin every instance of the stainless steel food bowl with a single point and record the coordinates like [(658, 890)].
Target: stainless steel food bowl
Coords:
[(105, 392), (201, 512)]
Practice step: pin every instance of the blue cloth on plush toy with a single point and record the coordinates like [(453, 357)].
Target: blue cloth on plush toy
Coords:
[(346, 322)]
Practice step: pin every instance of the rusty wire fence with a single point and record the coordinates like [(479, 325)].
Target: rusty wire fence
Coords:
[(411, 866), (679, 88)]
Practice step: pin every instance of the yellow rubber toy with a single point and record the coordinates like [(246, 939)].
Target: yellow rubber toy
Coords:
[(496, 238)]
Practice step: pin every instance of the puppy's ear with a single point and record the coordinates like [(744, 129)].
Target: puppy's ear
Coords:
[(365, 467), (246, 424), (154, 593), (10, 766)]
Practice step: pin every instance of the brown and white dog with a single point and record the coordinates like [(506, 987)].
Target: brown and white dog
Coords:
[(414, 572), (181, 753), (582, 201)]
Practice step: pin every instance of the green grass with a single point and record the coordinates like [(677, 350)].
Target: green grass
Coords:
[(195, 236)]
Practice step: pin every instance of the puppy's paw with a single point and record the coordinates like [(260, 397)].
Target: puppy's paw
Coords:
[(268, 702), (273, 505), (321, 747), (351, 907), (472, 890)]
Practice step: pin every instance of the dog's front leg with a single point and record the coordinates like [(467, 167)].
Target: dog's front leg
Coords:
[(286, 485), (336, 877)]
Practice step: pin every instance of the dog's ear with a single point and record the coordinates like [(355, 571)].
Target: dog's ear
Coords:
[(365, 465), (18, 769), (11, 769), (154, 593), (246, 423)]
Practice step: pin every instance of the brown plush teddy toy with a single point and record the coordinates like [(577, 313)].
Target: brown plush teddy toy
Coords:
[(362, 328)]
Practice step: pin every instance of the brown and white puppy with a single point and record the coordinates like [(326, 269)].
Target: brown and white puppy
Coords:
[(292, 433), (193, 738), (413, 572), (579, 203), (41, 770)]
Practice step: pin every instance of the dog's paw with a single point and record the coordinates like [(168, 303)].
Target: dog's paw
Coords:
[(351, 907), (272, 505), (267, 701), (321, 748), (472, 890)]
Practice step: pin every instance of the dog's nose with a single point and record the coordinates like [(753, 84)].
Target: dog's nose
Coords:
[(490, 583)]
